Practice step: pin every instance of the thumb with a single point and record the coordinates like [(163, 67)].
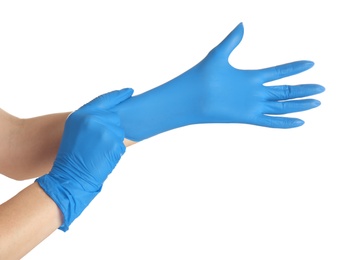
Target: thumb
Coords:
[(109, 100), (231, 41)]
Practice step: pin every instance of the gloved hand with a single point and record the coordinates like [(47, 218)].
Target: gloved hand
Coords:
[(213, 91), (91, 146)]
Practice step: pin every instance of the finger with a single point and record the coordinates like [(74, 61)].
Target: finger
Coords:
[(225, 48), (109, 100), (285, 70), (285, 107), (284, 92), (279, 122)]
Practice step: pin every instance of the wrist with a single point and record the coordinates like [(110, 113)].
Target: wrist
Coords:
[(70, 196)]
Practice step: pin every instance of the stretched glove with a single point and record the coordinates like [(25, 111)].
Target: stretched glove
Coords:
[(213, 91), (91, 146)]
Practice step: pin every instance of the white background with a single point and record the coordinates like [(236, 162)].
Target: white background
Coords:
[(199, 192)]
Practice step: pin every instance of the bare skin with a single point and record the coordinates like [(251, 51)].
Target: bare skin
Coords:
[(33, 142), (26, 220)]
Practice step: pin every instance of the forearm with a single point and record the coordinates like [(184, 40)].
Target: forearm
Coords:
[(26, 220), (161, 109), (31, 145)]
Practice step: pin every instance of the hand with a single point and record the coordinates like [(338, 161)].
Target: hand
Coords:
[(215, 92), (230, 95), (91, 146)]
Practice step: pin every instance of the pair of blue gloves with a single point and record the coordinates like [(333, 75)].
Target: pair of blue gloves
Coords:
[(212, 91)]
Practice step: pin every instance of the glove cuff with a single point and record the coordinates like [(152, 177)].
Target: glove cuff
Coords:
[(70, 197)]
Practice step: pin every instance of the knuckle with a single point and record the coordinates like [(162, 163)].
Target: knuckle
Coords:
[(283, 106), (287, 91), (88, 120)]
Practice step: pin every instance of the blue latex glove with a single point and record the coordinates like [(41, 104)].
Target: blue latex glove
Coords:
[(213, 91), (91, 146)]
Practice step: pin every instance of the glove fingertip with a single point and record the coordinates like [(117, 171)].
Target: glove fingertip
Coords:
[(230, 42), (127, 90), (319, 88), (297, 122), (125, 93), (118, 96), (309, 63)]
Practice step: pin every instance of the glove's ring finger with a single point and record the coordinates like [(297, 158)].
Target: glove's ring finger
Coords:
[(278, 108)]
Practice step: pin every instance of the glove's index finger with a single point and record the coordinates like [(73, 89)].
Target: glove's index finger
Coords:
[(284, 70)]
